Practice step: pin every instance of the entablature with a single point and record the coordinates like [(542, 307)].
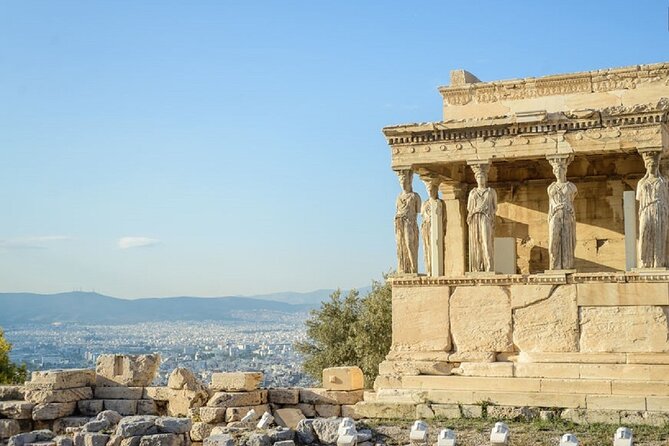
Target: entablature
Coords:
[(531, 135)]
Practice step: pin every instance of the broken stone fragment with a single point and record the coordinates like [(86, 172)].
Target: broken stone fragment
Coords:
[(41, 395), (179, 401), (111, 416), (212, 415), (52, 411), (259, 439), (236, 381), (63, 379), (173, 425), (12, 393), (327, 429), (96, 426), (327, 410), (126, 370), (147, 407), (219, 440), (183, 378), (18, 410), (136, 426), (159, 440), (238, 399), (31, 437), (283, 396), (119, 393), (90, 408), (288, 417), (281, 433), (123, 407), (323, 396), (63, 440), (305, 431), (61, 425), (238, 413), (9, 428), (90, 439), (199, 431), (343, 378)]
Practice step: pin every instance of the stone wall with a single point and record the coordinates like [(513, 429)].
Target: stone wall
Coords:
[(588, 342), (64, 401)]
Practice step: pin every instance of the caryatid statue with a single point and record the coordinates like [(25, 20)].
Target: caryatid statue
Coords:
[(433, 213), (406, 227), (652, 193), (481, 210), (561, 216)]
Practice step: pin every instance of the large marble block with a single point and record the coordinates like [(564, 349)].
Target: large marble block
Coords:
[(481, 319), (126, 370), (549, 324), (624, 329), (420, 318)]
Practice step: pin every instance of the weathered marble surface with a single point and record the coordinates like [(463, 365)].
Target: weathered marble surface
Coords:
[(480, 319), (406, 227), (548, 325), (561, 216), (421, 319), (433, 214), (481, 210), (652, 192)]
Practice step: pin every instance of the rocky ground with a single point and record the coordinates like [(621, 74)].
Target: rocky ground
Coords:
[(476, 432)]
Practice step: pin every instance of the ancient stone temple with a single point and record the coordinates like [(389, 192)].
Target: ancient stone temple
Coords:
[(547, 283)]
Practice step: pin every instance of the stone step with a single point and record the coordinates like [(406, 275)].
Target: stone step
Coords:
[(593, 358), (576, 386), (630, 371)]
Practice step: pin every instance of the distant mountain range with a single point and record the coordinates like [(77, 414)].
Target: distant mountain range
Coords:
[(94, 308)]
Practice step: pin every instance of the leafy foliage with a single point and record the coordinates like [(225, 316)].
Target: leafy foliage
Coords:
[(349, 331), (10, 373)]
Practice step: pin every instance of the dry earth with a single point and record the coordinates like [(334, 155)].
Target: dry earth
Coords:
[(476, 432)]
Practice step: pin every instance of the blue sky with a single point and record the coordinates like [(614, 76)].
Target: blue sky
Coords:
[(156, 148)]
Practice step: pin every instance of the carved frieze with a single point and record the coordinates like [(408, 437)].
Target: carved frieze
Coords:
[(586, 82)]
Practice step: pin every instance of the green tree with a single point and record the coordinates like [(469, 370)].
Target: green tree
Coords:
[(373, 330), (10, 373), (349, 331)]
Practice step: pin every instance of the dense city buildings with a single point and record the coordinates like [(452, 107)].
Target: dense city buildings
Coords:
[(201, 346)]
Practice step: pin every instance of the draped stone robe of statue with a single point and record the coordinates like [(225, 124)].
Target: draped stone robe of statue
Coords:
[(652, 192), (561, 225), (481, 210), (406, 227), (426, 227), (561, 218)]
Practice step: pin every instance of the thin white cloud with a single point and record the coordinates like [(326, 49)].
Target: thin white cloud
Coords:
[(137, 242), (32, 242)]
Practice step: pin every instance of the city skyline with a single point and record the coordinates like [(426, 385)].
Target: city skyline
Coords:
[(225, 149)]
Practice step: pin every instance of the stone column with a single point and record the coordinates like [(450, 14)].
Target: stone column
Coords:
[(561, 215), (407, 208), (652, 193), (433, 212), (454, 196), (481, 213)]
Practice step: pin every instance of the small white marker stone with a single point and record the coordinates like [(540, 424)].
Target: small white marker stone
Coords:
[(265, 421), (418, 432), (345, 424), (499, 434), (569, 440), (250, 416), (623, 437), (446, 438), (348, 438)]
